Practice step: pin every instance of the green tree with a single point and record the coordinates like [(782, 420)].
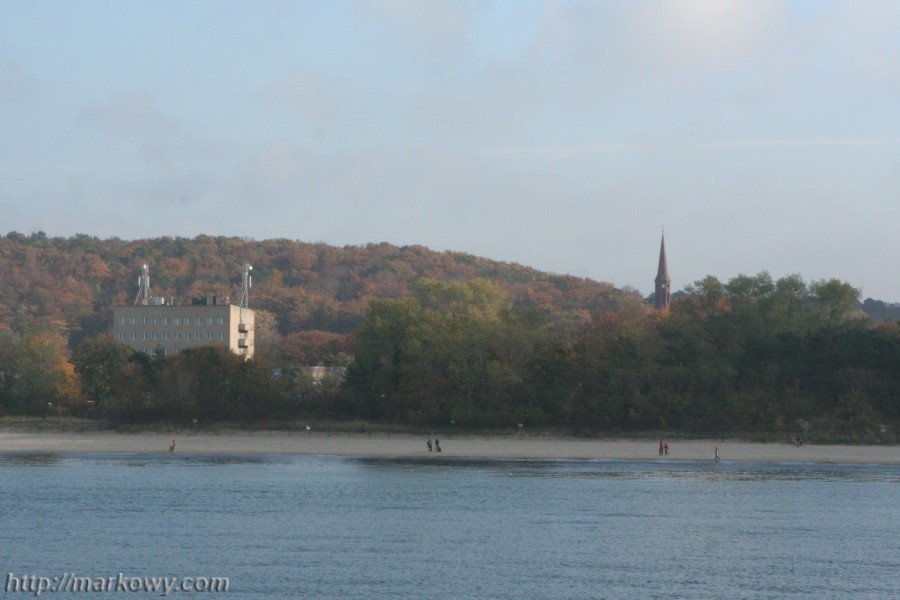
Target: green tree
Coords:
[(99, 364), (835, 298)]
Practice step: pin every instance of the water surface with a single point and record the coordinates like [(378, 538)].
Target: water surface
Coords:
[(338, 527)]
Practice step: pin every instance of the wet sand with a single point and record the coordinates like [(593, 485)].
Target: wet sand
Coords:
[(458, 445)]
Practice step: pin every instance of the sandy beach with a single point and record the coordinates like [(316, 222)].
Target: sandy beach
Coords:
[(406, 445)]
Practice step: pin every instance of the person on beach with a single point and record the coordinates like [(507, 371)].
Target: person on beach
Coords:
[(660, 447), (666, 448), (429, 444), (437, 445), (172, 446), (717, 454)]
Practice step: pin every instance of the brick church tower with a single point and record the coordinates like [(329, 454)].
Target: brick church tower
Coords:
[(663, 283)]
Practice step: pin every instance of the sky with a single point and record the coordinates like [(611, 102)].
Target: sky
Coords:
[(760, 135)]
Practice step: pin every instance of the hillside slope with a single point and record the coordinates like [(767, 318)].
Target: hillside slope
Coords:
[(74, 282)]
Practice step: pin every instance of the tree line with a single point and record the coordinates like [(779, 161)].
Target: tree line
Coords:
[(749, 355), (443, 339)]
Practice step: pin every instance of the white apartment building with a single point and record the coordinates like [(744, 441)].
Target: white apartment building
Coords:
[(173, 328)]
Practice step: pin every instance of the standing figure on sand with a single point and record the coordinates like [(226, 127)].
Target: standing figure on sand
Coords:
[(717, 454), (172, 446), (437, 445), (663, 448)]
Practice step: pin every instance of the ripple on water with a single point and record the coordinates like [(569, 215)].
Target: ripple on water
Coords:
[(288, 526)]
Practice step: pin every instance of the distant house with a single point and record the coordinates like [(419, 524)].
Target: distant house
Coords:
[(318, 375), (322, 374)]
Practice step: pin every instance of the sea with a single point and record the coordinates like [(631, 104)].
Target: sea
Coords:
[(357, 527)]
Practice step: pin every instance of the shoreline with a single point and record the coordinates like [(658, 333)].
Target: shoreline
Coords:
[(403, 445)]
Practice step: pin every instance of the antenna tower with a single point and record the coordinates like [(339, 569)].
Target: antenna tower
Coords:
[(143, 295), (246, 281)]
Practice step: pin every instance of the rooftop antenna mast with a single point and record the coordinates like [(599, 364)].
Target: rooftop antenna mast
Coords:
[(143, 295), (246, 281)]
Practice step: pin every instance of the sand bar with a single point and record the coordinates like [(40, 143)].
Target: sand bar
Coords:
[(406, 445)]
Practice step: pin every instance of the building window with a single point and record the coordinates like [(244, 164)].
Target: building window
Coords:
[(143, 335), (209, 335), (143, 320), (165, 320), (122, 335), (133, 335), (165, 335), (198, 335), (221, 320), (176, 320), (221, 335), (154, 320), (121, 320), (155, 335), (133, 320), (209, 320), (197, 321)]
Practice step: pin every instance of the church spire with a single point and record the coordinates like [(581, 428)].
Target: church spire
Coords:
[(663, 283)]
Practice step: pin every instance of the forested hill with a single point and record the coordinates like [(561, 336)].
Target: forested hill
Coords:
[(437, 339), (74, 282)]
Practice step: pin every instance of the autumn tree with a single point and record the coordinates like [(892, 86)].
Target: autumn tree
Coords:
[(36, 376)]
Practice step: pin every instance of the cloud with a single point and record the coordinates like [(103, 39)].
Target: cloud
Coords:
[(317, 96), (588, 149), (592, 59), (494, 101), (279, 171), (866, 36), (613, 44), (435, 20), (133, 115), (707, 33), (392, 194), (17, 85), (811, 142)]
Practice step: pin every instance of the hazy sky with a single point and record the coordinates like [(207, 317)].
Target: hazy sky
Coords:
[(562, 135)]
